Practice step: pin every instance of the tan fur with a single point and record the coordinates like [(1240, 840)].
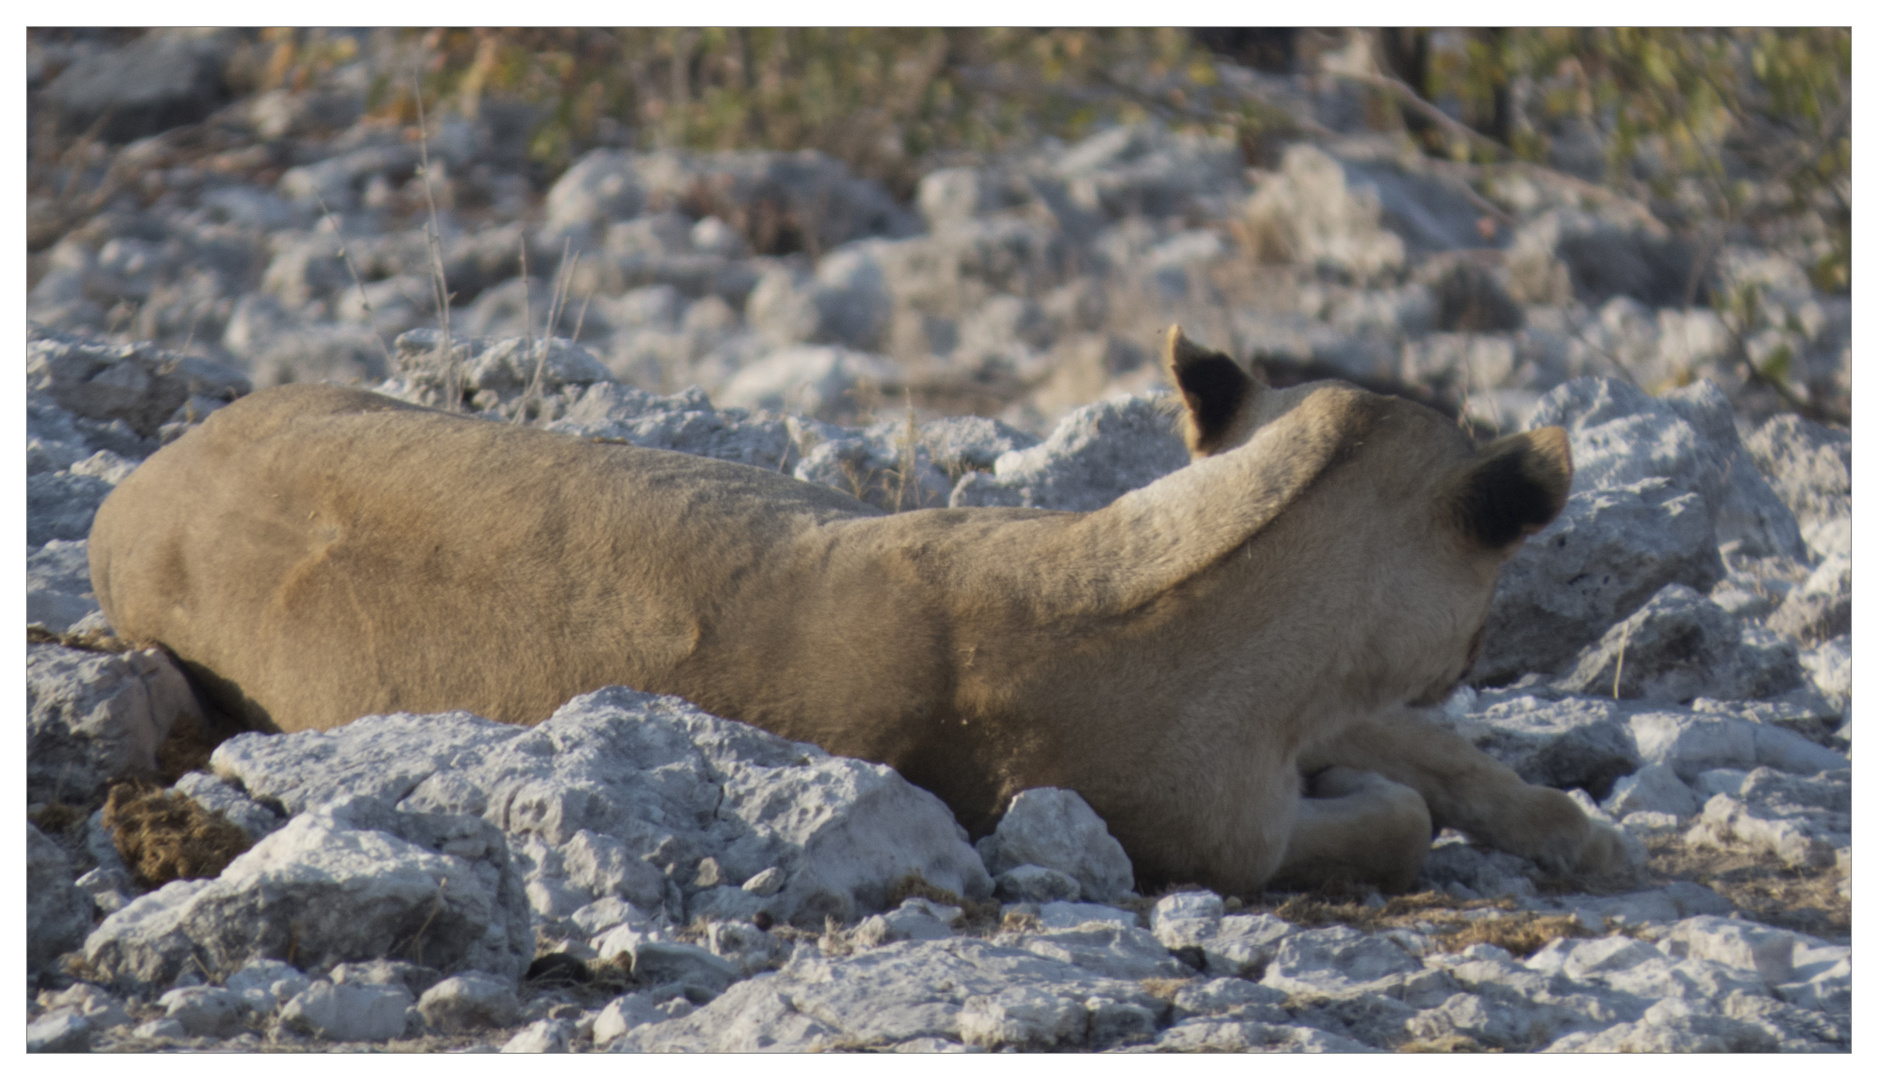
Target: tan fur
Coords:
[(314, 554)]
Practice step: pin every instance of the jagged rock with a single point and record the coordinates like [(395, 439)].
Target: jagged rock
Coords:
[(349, 1012), (1238, 998), (1359, 215), (58, 914), (887, 467), (1672, 1026), (827, 382), (506, 367), (416, 978), (1568, 254), (778, 201), (352, 880), (1145, 169), (844, 302), (1195, 926), (906, 990), (1038, 884), (1457, 867), (1677, 647), (1810, 466), (61, 1031), (158, 81), (1119, 952), (215, 794), (1055, 829), (685, 422), (623, 1014), (1095, 454), (1572, 742), (138, 384), (1801, 822), (542, 1037), (58, 585), (1606, 553), (1334, 959), (1621, 435), (267, 984), (470, 1000), (205, 1010), (1652, 788), (61, 506), (1821, 607), (1693, 743), (671, 783), (94, 716), (1735, 942), (1829, 666), (753, 949)]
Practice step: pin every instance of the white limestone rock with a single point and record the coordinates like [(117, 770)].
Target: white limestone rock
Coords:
[(1334, 959), (1678, 646), (902, 991), (349, 1012), (58, 914), (94, 716), (58, 585), (352, 880), (820, 381), (1605, 555), (1054, 828), (1095, 454), (1563, 742), (470, 1000)]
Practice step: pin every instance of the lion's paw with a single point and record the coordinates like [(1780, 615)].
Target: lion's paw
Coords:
[(1610, 855)]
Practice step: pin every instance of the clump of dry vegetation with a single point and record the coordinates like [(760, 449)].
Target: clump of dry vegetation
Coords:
[(167, 836), (1453, 924), (90, 640)]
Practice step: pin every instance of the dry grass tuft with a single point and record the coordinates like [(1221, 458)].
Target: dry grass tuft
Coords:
[(190, 744), (1522, 934), (57, 817), (1453, 924), (1446, 1044), (166, 837), (90, 641), (981, 916), (1164, 989)]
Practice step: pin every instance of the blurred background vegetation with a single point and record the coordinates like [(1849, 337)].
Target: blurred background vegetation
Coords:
[(1714, 129)]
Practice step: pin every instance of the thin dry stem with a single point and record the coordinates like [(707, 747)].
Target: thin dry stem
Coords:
[(346, 257)]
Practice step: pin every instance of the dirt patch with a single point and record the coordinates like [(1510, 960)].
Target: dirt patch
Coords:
[(1761, 886), (166, 836)]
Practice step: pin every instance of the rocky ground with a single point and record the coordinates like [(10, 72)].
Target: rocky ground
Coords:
[(637, 875)]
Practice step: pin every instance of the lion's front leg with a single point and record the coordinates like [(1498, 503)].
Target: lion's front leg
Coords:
[(1356, 827), (1468, 790)]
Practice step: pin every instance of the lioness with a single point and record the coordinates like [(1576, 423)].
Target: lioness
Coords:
[(313, 554)]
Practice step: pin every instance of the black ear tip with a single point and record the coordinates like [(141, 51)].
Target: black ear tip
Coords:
[(1213, 387), (1519, 487)]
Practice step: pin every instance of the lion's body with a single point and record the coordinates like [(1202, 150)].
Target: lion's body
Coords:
[(314, 554)]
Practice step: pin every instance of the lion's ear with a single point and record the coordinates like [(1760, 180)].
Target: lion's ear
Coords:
[(1514, 487), (1216, 391)]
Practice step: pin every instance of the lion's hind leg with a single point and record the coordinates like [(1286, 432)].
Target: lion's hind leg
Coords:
[(1356, 828)]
